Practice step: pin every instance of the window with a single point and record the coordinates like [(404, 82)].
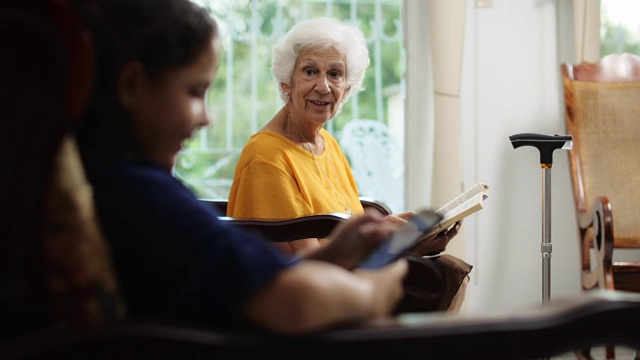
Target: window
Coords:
[(244, 97), (619, 27)]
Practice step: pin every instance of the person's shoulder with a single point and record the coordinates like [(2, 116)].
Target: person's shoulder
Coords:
[(141, 189), (266, 137), (137, 169), (134, 175), (267, 143)]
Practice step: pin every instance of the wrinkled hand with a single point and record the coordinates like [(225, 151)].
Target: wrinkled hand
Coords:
[(437, 243)]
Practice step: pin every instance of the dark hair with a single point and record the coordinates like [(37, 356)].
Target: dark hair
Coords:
[(161, 34)]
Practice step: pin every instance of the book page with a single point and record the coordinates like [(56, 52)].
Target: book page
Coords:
[(461, 206), (468, 194)]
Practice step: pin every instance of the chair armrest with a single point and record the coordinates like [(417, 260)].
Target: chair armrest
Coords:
[(562, 325), (596, 232), (312, 226), (367, 202), (285, 230), (219, 204), (371, 203)]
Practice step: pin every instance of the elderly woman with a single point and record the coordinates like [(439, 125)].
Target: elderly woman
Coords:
[(293, 167)]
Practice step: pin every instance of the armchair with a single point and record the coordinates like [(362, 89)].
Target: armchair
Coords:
[(603, 117), (80, 313)]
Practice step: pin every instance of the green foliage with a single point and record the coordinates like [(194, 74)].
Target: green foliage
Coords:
[(617, 38)]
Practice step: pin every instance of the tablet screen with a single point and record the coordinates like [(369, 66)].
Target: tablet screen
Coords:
[(402, 240)]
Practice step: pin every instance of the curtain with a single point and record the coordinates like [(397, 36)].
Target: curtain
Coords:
[(433, 167), (587, 29), (446, 21), (419, 106)]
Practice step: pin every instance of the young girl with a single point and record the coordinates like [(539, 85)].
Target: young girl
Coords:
[(174, 259)]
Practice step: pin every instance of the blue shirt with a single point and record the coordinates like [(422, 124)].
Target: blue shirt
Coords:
[(174, 259)]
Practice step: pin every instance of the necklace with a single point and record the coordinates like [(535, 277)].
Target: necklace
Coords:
[(337, 190)]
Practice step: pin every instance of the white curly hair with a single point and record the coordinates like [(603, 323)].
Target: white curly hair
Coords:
[(321, 33)]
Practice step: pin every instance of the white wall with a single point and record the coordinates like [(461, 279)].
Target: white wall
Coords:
[(511, 84)]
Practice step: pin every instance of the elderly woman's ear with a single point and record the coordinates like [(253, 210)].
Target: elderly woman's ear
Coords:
[(285, 88)]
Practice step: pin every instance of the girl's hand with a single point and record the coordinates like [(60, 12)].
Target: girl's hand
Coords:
[(353, 240), (400, 218)]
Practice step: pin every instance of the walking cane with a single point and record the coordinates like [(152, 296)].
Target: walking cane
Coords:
[(546, 144)]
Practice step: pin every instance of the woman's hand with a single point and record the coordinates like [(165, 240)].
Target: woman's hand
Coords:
[(437, 243)]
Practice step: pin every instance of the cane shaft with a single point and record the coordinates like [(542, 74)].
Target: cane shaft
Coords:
[(545, 247)]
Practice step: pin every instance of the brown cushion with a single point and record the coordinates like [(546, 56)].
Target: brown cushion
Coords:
[(78, 268)]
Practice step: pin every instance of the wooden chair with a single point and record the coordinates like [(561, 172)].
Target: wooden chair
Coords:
[(603, 117), (79, 313)]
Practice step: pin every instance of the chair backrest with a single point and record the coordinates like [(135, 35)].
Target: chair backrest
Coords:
[(603, 117), (376, 161)]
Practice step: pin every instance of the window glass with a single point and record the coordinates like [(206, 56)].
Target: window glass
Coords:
[(244, 97), (619, 26)]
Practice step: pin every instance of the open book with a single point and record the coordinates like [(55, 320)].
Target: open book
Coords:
[(463, 205)]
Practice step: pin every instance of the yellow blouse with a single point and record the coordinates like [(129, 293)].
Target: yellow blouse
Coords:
[(277, 179)]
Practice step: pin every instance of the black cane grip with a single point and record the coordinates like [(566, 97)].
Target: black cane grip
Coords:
[(545, 143)]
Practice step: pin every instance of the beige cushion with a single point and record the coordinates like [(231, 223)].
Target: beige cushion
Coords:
[(79, 273)]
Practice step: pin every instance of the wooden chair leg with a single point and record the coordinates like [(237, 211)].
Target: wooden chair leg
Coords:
[(610, 351), (583, 354)]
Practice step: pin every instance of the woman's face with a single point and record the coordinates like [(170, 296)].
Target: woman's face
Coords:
[(318, 85), (167, 112)]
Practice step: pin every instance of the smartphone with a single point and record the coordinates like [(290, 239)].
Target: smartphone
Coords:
[(403, 240)]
